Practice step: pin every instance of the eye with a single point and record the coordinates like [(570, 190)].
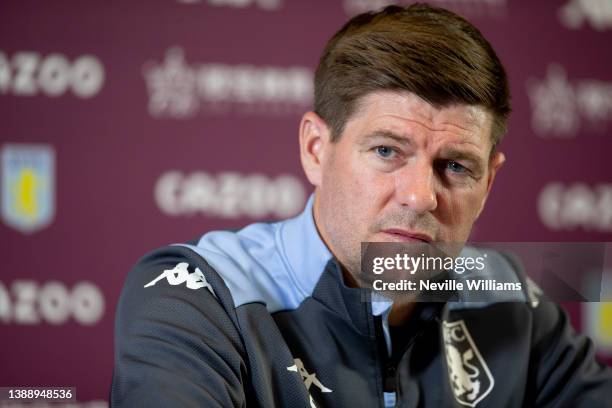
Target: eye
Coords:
[(384, 151), (456, 167)]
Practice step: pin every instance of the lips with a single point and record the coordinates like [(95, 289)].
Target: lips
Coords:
[(408, 236)]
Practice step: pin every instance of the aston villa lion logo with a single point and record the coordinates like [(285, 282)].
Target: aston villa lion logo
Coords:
[(28, 186), (468, 373)]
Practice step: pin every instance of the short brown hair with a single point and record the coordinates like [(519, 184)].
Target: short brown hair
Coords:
[(426, 50)]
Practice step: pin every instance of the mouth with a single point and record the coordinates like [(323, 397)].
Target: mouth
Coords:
[(401, 235)]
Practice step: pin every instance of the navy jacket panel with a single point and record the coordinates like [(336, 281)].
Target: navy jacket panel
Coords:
[(182, 341)]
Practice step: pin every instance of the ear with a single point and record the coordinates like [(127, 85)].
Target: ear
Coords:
[(495, 163), (314, 138)]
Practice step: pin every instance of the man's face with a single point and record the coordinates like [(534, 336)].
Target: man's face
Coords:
[(401, 171)]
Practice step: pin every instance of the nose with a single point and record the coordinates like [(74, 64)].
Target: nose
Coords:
[(415, 187)]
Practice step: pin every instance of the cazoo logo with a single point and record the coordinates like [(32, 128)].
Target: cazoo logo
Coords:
[(229, 194), (51, 302), (578, 205), (27, 73), (262, 4)]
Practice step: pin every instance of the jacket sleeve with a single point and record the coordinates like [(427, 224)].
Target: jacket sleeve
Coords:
[(563, 362), (176, 337)]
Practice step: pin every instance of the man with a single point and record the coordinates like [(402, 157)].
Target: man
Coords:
[(410, 105)]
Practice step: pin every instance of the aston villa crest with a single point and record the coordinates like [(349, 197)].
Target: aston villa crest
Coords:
[(28, 186), (469, 375)]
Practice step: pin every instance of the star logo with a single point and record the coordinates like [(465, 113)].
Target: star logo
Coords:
[(554, 104), (171, 86)]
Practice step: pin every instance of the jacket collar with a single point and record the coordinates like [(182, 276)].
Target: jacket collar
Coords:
[(305, 253)]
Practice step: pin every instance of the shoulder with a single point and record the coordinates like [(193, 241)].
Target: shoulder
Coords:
[(238, 267), (171, 275)]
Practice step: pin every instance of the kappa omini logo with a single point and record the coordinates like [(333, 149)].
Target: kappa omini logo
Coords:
[(28, 186), (309, 379), (180, 274), (469, 375)]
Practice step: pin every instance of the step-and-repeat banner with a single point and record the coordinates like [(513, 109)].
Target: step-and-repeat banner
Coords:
[(127, 125)]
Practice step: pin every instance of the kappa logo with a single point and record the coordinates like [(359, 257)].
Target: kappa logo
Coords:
[(309, 379), (28, 186), (469, 375), (180, 274)]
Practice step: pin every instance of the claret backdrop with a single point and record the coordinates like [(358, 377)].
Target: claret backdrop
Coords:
[(127, 125)]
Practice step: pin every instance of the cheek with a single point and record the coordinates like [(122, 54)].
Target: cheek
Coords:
[(353, 195), (345, 178), (368, 191), (461, 207)]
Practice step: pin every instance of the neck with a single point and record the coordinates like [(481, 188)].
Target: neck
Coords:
[(400, 313), (400, 310)]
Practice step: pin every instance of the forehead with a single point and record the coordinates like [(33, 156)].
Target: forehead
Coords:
[(406, 113)]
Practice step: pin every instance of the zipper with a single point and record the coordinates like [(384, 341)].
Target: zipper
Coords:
[(391, 379)]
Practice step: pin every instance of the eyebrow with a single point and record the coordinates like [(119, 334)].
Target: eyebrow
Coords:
[(387, 134)]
